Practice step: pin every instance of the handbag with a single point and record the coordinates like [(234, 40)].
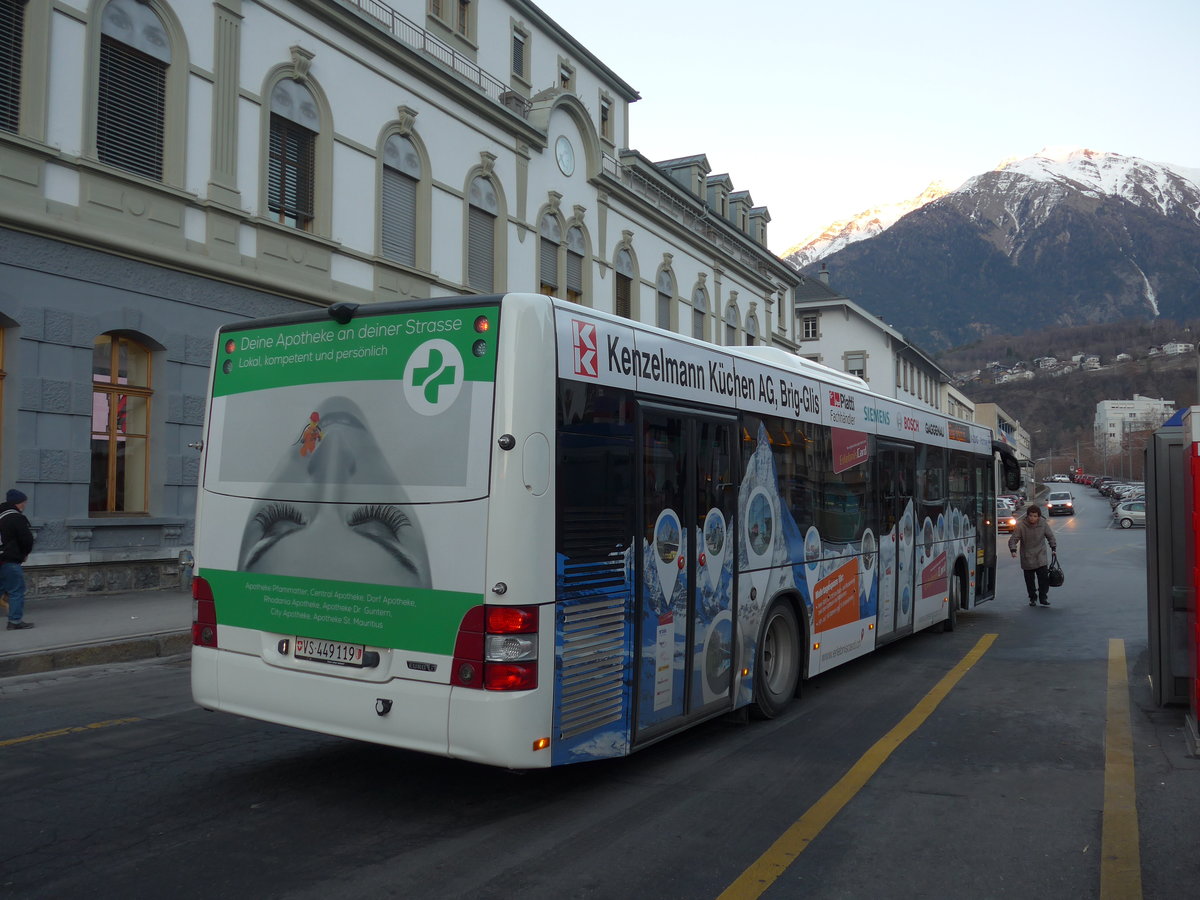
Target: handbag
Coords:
[(1056, 576)]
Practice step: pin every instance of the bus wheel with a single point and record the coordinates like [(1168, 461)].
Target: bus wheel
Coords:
[(777, 668), (954, 602)]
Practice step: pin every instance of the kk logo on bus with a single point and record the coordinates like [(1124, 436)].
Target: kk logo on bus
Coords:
[(583, 343)]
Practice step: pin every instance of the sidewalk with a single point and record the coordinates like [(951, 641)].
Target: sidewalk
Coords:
[(89, 630)]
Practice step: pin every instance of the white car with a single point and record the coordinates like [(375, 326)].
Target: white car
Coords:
[(1060, 503)]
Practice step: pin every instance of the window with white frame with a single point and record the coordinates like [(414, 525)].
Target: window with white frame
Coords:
[(856, 363), (548, 245), (463, 23), (121, 391), (132, 90), (482, 210), (808, 328), (12, 35), (576, 250), (623, 284), (291, 162), (606, 118), (398, 201)]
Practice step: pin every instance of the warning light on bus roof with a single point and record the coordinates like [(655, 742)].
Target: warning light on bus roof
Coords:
[(482, 324)]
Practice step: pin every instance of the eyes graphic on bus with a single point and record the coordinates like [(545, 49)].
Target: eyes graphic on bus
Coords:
[(868, 549), (927, 537), (761, 524), (312, 535)]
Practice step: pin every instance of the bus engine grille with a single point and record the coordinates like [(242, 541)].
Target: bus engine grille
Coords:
[(593, 660)]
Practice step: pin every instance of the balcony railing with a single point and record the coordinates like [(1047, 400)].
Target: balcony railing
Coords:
[(412, 35)]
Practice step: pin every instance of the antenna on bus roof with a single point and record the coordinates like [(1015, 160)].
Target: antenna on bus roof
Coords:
[(343, 312)]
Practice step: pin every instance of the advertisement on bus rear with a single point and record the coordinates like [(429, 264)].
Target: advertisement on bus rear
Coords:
[(341, 462)]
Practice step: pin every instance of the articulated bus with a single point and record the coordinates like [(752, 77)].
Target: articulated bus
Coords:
[(515, 530)]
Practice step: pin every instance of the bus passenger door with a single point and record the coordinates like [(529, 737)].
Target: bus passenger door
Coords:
[(685, 570), (896, 541)]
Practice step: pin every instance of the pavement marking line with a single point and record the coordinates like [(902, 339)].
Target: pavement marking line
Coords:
[(763, 872), (1120, 856), (59, 732)]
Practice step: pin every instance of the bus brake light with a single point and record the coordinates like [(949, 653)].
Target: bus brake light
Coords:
[(204, 614), (496, 649)]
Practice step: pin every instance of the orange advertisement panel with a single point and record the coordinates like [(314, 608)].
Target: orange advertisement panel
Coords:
[(835, 600)]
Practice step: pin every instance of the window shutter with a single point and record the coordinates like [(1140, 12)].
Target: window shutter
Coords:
[(130, 116), (399, 227), (574, 273), (624, 295), (481, 242), (290, 172), (12, 29), (549, 263)]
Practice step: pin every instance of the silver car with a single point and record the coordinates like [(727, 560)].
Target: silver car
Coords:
[(1130, 513)]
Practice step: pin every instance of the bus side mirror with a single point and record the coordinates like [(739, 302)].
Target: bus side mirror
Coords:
[(1010, 473)]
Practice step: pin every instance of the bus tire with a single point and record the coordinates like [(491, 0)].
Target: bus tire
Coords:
[(954, 602), (777, 661)]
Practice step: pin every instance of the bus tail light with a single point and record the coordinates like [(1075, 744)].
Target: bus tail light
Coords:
[(496, 649), (204, 614)]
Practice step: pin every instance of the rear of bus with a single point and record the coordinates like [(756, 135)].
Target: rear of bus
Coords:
[(355, 461)]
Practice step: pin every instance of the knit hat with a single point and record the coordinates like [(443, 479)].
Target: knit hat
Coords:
[(14, 497)]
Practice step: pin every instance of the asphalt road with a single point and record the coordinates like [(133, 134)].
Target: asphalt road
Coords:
[(113, 784)]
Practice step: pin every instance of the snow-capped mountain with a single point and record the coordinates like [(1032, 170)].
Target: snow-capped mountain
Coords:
[(867, 224), (1059, 238)]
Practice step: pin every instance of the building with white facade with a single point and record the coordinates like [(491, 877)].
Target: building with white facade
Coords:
[(836, 331), (1116, 419), (167, 166)]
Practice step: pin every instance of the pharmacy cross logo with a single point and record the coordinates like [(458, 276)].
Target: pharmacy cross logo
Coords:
[(583, 345), (433, 377)]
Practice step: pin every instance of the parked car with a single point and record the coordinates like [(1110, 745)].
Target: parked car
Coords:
[(1130, 513), (1006, 517), (1060, 503)]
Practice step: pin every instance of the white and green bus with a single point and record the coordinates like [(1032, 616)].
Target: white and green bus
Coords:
[(518, 531)]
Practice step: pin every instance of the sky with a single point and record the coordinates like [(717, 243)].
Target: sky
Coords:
[(822, 110)]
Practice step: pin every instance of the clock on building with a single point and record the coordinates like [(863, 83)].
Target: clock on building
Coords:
[(565, 154)]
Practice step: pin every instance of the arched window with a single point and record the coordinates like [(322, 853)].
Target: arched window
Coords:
[(295, 122), (623, 299), (664, 294), (751, 331), (12, 33), (120, 425), (576, 250), (731, 325), (130, 114), (398, 201), (548, 244), (483, 208), (699, 311)]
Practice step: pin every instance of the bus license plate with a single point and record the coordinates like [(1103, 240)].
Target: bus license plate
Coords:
[(333, 652)]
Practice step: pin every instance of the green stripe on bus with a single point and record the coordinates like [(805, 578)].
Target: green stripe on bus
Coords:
[(379, 615), (370, 348)]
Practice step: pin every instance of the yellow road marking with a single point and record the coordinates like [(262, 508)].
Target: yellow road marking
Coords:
[(1120, 857), (59, 732), (763, 872)]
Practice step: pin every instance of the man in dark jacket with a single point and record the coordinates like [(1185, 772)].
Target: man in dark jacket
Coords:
[(16, 543)]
